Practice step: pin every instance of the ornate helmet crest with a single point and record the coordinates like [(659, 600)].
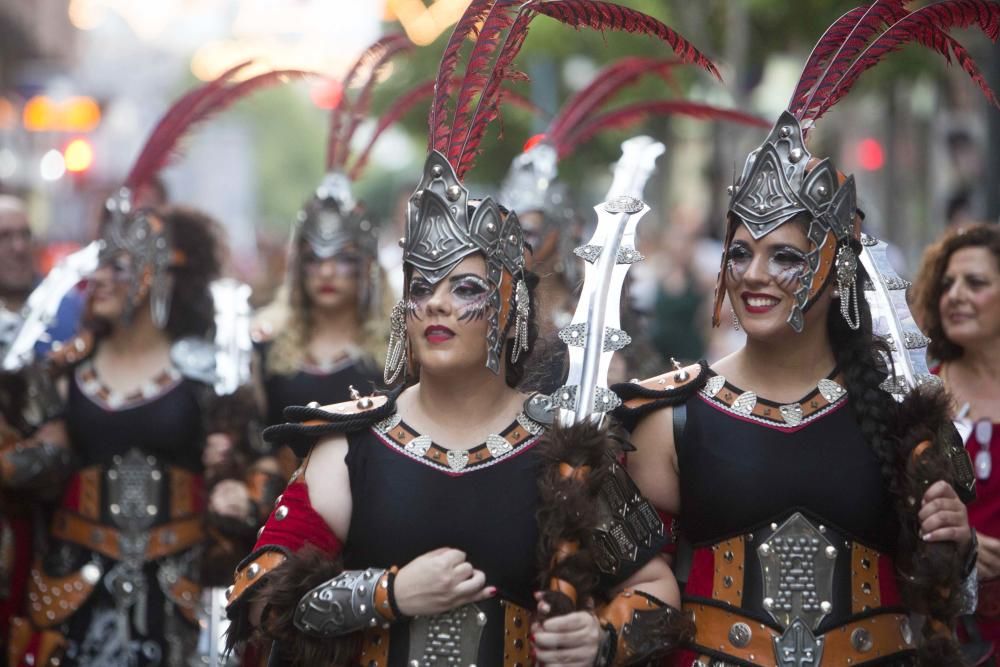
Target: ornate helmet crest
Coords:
[(782, 180), (137, 231), (333, 218), (443, 224)]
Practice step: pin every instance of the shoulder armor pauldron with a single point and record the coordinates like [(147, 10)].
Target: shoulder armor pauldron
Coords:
[(308, 424), (640, 398), (194, 357)]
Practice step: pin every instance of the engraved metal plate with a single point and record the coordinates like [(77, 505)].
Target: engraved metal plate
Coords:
[(457, 459), (623, 204), (450, 639), (798, 647), (791, 413), (576, 335), (419, 445), (134, 491), (714, 385), (529, 424), (389, 423), (745, 402), (797, 571), (497, 445), (830, 390)]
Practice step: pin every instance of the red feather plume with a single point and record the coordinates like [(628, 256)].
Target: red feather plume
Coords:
[(819, 58), (172, 125), (399, 108), (605, 85), (627, 116), (877, 17), (370, 60), (468, 130), (926, 26), (439, 131), (193, 108), (601, 15), (499, 22)]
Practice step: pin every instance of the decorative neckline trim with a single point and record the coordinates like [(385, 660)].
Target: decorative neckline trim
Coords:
[(522, 432), (827, 396), (94, 388)]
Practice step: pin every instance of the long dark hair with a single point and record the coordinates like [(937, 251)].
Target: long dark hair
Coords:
[(196, 237), (893, 431)]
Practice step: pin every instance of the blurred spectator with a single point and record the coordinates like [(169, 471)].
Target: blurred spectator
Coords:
[(957, 300), (17, 274)]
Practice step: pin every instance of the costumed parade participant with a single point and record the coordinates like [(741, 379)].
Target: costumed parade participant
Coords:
[(957, 298), (119, 580), (821, 511), (545, 211), (424, 521), (321, 336)]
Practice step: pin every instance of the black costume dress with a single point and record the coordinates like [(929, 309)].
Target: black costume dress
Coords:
[(119, 578), (792, 530)]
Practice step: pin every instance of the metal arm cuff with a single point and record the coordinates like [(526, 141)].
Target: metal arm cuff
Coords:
[(351, 601), (34, 465)]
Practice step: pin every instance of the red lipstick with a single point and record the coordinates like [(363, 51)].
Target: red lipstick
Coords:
[(438, 334)]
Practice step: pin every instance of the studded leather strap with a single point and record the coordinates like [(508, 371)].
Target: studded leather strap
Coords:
[(727, 633), (727, 585)]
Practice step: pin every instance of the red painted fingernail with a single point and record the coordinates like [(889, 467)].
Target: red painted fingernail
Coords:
[(493, 591)]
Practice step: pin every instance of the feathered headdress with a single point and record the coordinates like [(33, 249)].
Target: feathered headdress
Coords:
[(530, 181), (333, 218), (140, 233), (782, 181), (442, 227)]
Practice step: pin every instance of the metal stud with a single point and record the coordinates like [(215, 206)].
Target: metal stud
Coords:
[(740, 635), (795, 155), (861, 640), (253, 571), (281, 513), (785, 131), (454, 192), (436, 170)]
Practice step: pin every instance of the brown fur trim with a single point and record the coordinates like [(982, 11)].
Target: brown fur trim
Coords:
[(568, 509), (930, 572), (280, 593)]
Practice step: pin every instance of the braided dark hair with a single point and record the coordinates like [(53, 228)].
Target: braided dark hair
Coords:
[(924, 569)]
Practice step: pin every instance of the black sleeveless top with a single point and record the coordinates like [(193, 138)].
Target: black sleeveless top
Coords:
[(410, 496), (324, 386), (742, 468), (169, 424)]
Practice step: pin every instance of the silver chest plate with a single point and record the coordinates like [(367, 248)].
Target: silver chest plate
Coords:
[(797, 563), (450, 639)]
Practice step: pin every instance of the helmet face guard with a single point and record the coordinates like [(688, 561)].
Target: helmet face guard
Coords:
[(441, 231), (142, 236), (781, 181)]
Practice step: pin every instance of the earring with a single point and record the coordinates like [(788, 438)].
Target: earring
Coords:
[(736, 321), (847, 272), (395, 358), (522, 305)]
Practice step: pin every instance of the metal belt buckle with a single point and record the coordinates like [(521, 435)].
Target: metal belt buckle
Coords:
[(450, 639), (798, 647), (797, 563)]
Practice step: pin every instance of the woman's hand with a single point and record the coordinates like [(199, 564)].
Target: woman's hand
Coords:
[(438, 581), (230, 498), (943, 517), (571, 640), (988, 562), (218, 449)]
